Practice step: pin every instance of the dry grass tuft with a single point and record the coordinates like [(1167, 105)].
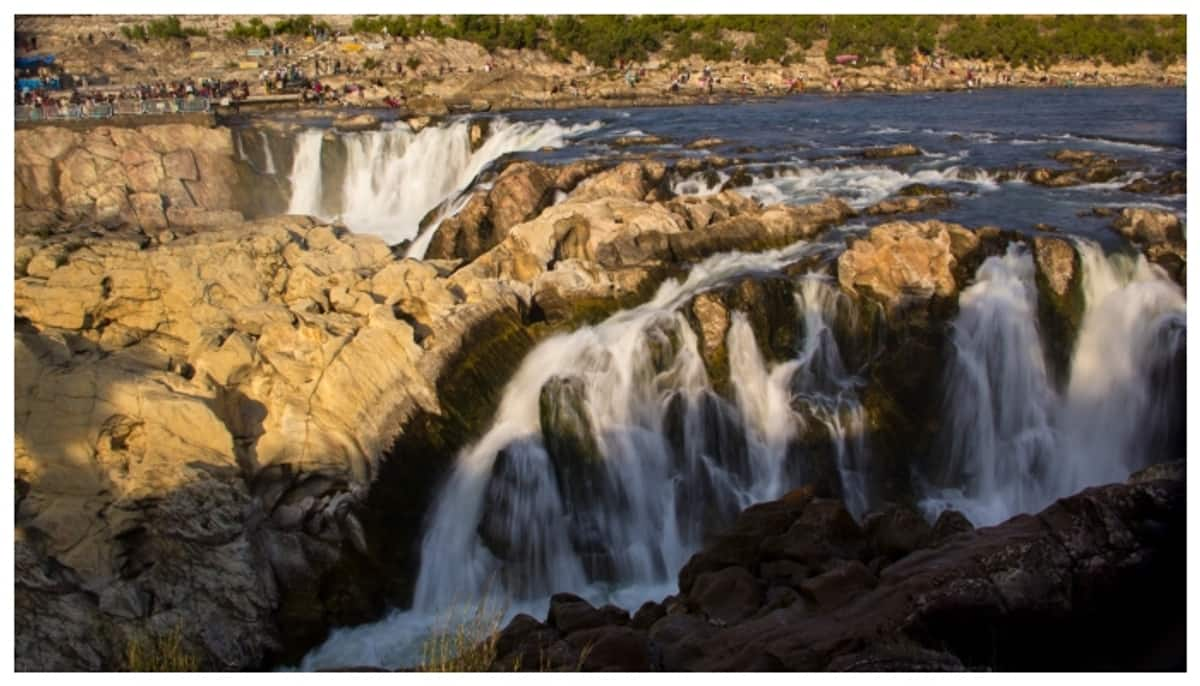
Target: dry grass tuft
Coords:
[(465, 644), (160, 654)]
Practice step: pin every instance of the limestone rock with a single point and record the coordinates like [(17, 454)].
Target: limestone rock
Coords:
[(1148, 226), (902, 259)]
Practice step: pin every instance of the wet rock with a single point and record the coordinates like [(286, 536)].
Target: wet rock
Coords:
[(727, 596), (740, 178), (649, 613), (1172, 257), (630, 141), (845, 581), (916, 190), (949, 523), (359, 122), (1148, 226), (1169, 183), (681, 639), (613, 649), (1059, 277), (909, 205), (478, 132), (418, 123), (569, 613), (701, 143), (570, 442), (899, 150), (895, 531)]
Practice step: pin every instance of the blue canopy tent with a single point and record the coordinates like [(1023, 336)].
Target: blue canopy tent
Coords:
[(37, 84), (34, 61)]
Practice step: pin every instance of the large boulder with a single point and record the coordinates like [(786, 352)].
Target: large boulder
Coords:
[(1059, 275), (900, 260), (571, 442), (628, 180), (1149, 226)]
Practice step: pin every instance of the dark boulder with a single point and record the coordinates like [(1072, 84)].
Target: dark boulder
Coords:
[(569, 613), (728, 596), (613, 649)]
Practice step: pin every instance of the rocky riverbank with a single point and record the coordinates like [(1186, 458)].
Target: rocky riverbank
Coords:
[(232, 429), (798, 585), (435, 74)]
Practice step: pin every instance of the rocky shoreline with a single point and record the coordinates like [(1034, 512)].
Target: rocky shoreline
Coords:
[(232, 428)]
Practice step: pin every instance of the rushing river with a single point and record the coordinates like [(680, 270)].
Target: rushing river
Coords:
[(662, 449)]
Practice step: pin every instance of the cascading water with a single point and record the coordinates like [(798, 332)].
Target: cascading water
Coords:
[(1127, 366), (860, 186), (306, 174), (610, 457), (270, 156), (1014, 443), (394, 177)]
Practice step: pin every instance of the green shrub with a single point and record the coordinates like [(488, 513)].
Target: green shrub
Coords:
[(256, 29), (161, 29)]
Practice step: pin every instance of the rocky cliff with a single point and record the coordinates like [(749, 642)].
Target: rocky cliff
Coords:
[(232, 430), (202, 418), (155, 176)]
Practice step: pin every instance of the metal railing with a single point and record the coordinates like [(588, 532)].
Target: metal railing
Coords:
[(105, 110)]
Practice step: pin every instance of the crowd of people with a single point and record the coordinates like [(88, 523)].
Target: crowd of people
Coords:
[(223, 92)]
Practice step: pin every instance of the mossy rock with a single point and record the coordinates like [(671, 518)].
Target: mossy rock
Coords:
[(570, 440), (1060, 314), (412, 470)]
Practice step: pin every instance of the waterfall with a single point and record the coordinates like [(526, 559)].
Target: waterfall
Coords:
[(393, 177), (610, 456), (306, 174), (1012, 443), (270, 157), (1116, 413)]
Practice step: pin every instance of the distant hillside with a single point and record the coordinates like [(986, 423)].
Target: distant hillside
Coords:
[(1021, 41), (606, 39)]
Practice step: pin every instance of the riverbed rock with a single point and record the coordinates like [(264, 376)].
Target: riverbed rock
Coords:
[(898, 150), (1148, 226), (629, 180), (909, 205), (901, 260), (1059, 276), (1051, 585), (1167, 183), (359, 122), (570, 441), (630, 141), (706, 142)]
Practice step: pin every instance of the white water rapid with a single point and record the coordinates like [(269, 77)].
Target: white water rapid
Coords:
[(1015, 443), (385, 182), (611, 455)]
